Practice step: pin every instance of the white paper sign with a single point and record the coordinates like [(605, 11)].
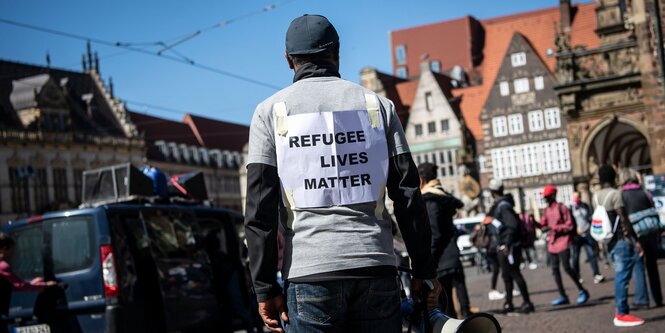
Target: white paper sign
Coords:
[(332, 158)]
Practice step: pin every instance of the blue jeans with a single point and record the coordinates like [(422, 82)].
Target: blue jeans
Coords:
[(625, 259), (347, 305), (589, 245)]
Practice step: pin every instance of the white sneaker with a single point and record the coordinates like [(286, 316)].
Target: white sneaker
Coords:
[(495, 295), (581, 280), (533, 266), (598, 279), (516, 293), (522, 265)]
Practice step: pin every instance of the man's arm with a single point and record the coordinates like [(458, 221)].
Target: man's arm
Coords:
[(261, 218), (511, 222), (434, 214), (411, 214)]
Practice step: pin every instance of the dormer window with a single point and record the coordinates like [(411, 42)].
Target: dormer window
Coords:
[(429, 104), (518, 59), (400, 54)]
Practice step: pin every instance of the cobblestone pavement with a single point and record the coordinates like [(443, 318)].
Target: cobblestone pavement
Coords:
[(595, 316)]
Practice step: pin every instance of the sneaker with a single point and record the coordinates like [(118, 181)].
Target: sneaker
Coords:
[(583, 297), (598, 279), (507, 308), (495, 295), (560, 301), (627, 320), (522, 266), (516, 293), (526, 308), (581, 280), (533, 266)]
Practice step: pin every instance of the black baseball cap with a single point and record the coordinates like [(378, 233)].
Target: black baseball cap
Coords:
[(310, 34)]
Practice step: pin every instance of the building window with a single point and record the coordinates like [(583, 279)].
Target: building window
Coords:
[(60, 185), (521, 85), (445, 126), (418, 159), (515, 125), (419, 129), (441, 158), (499, 126), (18, 183), (482, 163), (401, 72), (78, 184), (400, 54), (435, 66), (536, 121), (518, 59), (40, 189), (504, 88), (532, 159), (552, 119), (431, 127), (538, 83), (443, 171), (429, 104)]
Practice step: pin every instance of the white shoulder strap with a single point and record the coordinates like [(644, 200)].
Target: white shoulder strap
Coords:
[(281, 117), (372, 109), (607, 197), (595, 200)]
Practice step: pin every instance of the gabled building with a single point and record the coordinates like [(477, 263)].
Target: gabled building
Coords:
[(432, 120), (525, 139), (54, 124), (197, 144)]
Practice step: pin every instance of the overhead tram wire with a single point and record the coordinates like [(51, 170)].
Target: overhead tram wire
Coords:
[(138, 50)]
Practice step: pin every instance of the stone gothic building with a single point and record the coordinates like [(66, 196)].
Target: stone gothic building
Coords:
[(612, 94)]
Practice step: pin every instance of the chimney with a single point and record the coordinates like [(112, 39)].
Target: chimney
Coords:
[(565, 11), (424, 63)]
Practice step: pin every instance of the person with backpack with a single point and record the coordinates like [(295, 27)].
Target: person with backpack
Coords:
[(441, 207), (484, 238), (556, 217), (610, 224), (509, 247), (640, 210), (582, 218)]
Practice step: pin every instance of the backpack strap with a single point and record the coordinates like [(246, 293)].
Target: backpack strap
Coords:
[(607, 197)]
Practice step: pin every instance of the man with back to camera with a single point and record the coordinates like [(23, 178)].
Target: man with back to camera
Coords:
[(509, 250), (321, 153)]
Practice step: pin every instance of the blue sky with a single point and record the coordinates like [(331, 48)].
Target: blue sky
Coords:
[(251, 46)]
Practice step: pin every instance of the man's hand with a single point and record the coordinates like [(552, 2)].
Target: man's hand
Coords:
[(640, 251), (421, 292), (271, 311)]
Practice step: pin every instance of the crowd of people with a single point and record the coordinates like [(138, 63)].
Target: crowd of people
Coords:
[(631, 244)]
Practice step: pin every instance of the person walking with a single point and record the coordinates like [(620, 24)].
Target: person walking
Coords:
[(556, 217), (529, 239), (624, 246), (485, 238), (441, 208), (509, 250), (639, 205), (322, 151), (582, 215)]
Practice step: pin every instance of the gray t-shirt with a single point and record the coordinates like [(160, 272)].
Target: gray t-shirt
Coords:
[(327, 239)]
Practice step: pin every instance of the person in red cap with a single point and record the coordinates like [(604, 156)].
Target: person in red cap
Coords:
[(558, 220)]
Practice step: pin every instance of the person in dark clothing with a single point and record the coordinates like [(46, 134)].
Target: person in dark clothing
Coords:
[(441, 207), (509, 249), (485, 238), (582, 215), (635, 200)]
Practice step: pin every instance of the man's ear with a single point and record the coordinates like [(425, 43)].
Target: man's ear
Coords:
[(289, 61)]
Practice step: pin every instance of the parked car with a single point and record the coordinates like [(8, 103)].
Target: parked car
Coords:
[(464, 227), (137, 266)]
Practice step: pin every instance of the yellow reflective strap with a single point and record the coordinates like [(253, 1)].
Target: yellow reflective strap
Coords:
[(372, 109), (281, 117), (380, 204), (290, 205)]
